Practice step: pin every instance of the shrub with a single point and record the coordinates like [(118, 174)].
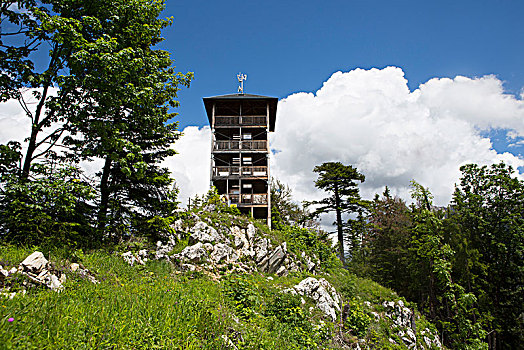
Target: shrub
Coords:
[(51, 208), (357, 320)]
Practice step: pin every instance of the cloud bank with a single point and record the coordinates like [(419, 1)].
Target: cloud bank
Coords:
[(371, 120)]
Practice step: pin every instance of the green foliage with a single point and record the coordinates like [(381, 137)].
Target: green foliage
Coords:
[(245, 296), (314, 243), (10, 158), (257, 302), (341, 182), (486, 227), (121, 113), (143, 309), (113, 99), (357, 321), (157, 227), (386, 241), (286, 212), (51, 208), (431, 264)]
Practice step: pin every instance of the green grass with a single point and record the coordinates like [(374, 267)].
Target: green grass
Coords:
[(156, 307), (139, 308), (153, 309)]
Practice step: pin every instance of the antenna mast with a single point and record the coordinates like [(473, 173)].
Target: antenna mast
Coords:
[(241, 77)]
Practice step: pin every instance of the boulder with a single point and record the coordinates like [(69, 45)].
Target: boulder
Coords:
[(400, 314), (3, 273), (131, 258), (195, 253), (162, 250), (251, 232), (177, 225), (275, 259), (261, 249), (34, 263), (221, 252), (203, 233), (323, 293), (239, 236)]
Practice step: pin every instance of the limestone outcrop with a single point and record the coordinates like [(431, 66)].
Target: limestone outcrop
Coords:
[(242, 249), (322, 293)]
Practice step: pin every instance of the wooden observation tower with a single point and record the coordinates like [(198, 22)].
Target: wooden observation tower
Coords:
[(240, 124)]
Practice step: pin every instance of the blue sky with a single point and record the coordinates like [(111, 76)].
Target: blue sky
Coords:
[(291, 46)]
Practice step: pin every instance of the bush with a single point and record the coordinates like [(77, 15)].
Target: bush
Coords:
[(357, 320), (52, 208)]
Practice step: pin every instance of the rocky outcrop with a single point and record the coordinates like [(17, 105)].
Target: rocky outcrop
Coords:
[(321, 292), (238, 248), (196, 253), (403, 319), (37, 269), (273, 260), (140, 257), (203, 233)]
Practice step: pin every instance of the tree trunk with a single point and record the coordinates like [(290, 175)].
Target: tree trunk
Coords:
[(339, 226), (35, 129), (104, 194), (36, 126)]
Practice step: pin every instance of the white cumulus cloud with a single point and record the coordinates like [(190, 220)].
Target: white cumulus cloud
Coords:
[(371, 120), (191, 166)]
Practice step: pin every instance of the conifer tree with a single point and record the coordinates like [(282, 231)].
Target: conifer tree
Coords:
[(340, 181)]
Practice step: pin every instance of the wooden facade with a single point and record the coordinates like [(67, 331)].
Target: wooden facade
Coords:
[(240, 125)]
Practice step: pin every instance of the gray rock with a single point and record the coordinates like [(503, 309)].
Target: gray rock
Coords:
[(240, 238), (163, 250), (34, 263), (261, 249), (276, 258), (203, 233), (188, 267), (3, 273), (221, 252), (177, 225), (54, 283), (323, 293), (400, 314), (195, 253), (282, 271), (131, 258), (74, 267), (251, 233)]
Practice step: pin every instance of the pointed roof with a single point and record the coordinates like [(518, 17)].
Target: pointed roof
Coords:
[(273, 101)]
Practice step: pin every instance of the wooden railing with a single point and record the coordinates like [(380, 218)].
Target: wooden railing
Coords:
[(229, 145), (248, 120), (242, 171), (258, 198), (254, 120)]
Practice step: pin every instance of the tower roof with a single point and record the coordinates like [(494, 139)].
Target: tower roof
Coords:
[(234, 98)]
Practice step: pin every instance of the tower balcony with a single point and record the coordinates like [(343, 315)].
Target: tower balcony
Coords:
[(245, 120), (248, 199), (229, 145), (240, 172)]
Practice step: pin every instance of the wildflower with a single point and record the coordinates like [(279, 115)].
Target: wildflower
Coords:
[(10, 319)]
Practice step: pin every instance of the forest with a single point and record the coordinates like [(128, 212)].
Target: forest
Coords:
[(106, 93), (462, 264)]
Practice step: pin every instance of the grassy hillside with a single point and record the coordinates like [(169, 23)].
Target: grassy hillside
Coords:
[(170, 304)]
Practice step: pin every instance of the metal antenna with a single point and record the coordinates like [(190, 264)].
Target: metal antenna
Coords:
[(241, 77)]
